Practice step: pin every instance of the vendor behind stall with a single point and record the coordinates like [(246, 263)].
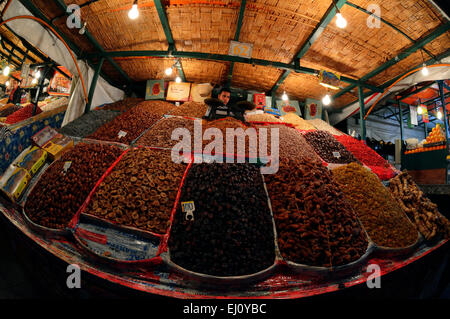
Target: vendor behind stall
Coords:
[(219, 108)]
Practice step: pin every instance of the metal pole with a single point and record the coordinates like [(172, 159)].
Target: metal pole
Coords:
[(362, 112), (40, 88), (93, 85), (444, 111), (401, 119)]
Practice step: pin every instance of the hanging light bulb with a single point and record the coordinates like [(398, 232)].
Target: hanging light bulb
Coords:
[(284, 97), (6, 70), (83, 29), (425, 70), (168, 71), (340, 21), (178, 79), (38, 74), (7, 83), (419, 110), (134, 12), (326, 100), (439, 115), (34, 81)]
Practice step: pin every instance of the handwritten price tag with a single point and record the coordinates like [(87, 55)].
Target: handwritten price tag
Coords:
[(337, 154), (122, 134)]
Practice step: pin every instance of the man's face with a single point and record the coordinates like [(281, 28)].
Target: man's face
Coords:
[(224, 97)]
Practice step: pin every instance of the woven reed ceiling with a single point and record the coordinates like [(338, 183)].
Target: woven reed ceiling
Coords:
[(277, 29)]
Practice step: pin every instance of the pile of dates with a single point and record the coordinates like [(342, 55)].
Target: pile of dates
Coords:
[(231, 232), (328, 148), (60, 192), (191, 109), (315, 224), (123, 105), (126, 127), (140, 191)]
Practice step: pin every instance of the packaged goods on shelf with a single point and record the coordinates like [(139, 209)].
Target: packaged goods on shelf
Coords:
[(324, 126), (328, 148), (14, 182), (57, 146), (382, 217), (297, 121), (88, 123), (31, 159), (44, 136), (231, 233), (420, 210), (140, 191), (190, 109), (63, 187), (315, 224)]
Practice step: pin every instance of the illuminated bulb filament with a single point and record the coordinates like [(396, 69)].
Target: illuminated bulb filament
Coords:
[(326, 100), (340, 21), (134, 12)]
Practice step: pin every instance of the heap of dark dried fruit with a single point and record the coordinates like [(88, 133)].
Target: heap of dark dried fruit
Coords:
[(58, 194), (328, 148), (420, 210), (123, 105), (381, 216), (315, 224), (232, 230), (190, 109), (140, 191)]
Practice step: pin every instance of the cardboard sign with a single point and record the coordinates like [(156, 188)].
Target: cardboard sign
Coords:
[(154, 90), (329, 80), (200, 92), (178, 91), (260, 100), (313, 109), (243, 50), (60, 85), (288, 106)]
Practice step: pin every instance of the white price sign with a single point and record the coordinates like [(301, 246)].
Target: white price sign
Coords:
[(243, 50)]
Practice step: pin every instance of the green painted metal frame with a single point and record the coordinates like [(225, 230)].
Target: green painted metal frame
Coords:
[(416, 46), (36, 12), (61, 4), (362, 112), (444, 109), (93, 85), (236, 37), (168, 32), (315, 34)]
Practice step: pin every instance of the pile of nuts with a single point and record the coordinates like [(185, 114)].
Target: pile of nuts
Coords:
[(190, 109), (298, 122), (126, 127), (264, 117), (315, 224), (123, 105), (380, 214), (231, 233), (324, 126), (420, 210), (160, 135), (291, 143), (328, 148), (159, 108), (140, 191), (59, 194), (88, 123)]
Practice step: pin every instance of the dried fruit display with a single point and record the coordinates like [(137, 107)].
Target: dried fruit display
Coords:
[(291, 143), (328, 148), (123, 105), (126, 127), (298, 122), (380, 214), (88, 123), (232, 230), (420, 210), (315, 224), (190, 109), (10, 109), (22, 114), (324, 126), (261, 117), (159, 108), (59, 193), (160, 135), (140, 191)]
